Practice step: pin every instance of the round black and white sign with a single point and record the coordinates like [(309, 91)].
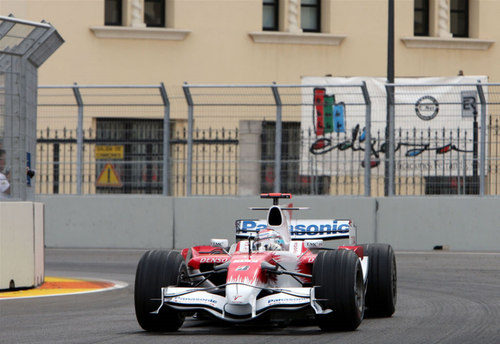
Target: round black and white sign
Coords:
[(427, 107)]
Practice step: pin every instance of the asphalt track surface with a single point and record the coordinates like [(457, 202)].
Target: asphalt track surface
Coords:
[(443, 297)]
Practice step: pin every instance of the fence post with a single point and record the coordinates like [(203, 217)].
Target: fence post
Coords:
[(166, 140), (79, 139), (55, 168), (482, 147), (389, 151), (189, 99), (277, 139), (368, 139)]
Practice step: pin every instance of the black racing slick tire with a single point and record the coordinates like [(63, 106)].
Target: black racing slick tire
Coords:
[(338, 280), (155, 270), (381, 292)]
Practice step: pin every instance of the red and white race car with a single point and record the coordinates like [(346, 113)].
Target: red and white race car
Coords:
[(278, 270)]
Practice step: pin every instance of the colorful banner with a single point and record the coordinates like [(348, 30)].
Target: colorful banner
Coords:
[(433, 125)]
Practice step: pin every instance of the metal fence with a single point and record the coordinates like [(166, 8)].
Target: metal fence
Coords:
[(440, 138), (24, 46), (247, 139), (103, 139)]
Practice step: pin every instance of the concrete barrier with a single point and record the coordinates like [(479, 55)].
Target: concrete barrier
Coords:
[(197, 220), (420, 223), (149, 222), (21, 244), (109, 221), (39, 241), (408, 223)]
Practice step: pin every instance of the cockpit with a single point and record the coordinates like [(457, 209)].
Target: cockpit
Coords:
[(269, 240)]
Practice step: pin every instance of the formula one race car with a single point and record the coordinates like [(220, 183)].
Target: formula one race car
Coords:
[(277, 271)]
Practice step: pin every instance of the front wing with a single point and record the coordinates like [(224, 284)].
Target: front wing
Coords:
[(195, 299)]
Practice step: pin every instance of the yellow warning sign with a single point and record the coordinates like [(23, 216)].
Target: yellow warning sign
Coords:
[(109, 152), (109, 177)]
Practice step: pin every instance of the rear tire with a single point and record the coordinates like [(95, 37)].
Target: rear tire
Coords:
[(155, 270), (381, 290), (339, 280)]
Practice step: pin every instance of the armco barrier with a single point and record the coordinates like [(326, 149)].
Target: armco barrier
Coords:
[(408, 223), (21, 244)]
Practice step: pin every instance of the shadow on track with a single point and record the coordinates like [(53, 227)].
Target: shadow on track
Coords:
[(214, 328)]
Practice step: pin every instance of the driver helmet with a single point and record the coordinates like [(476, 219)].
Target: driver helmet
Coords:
[(269, 240)]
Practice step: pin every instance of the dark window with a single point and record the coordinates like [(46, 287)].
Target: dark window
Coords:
[(270, 21), (459, 18), (453, 185), (291, 180), (310, 15), (421, 18), (113, 12), (154, 13), (141, 169)]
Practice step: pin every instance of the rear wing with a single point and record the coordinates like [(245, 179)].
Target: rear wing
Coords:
[(303, 229)]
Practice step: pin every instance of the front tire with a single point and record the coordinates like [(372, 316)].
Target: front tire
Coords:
[(339, 280), (382, 280), (155, 270)]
